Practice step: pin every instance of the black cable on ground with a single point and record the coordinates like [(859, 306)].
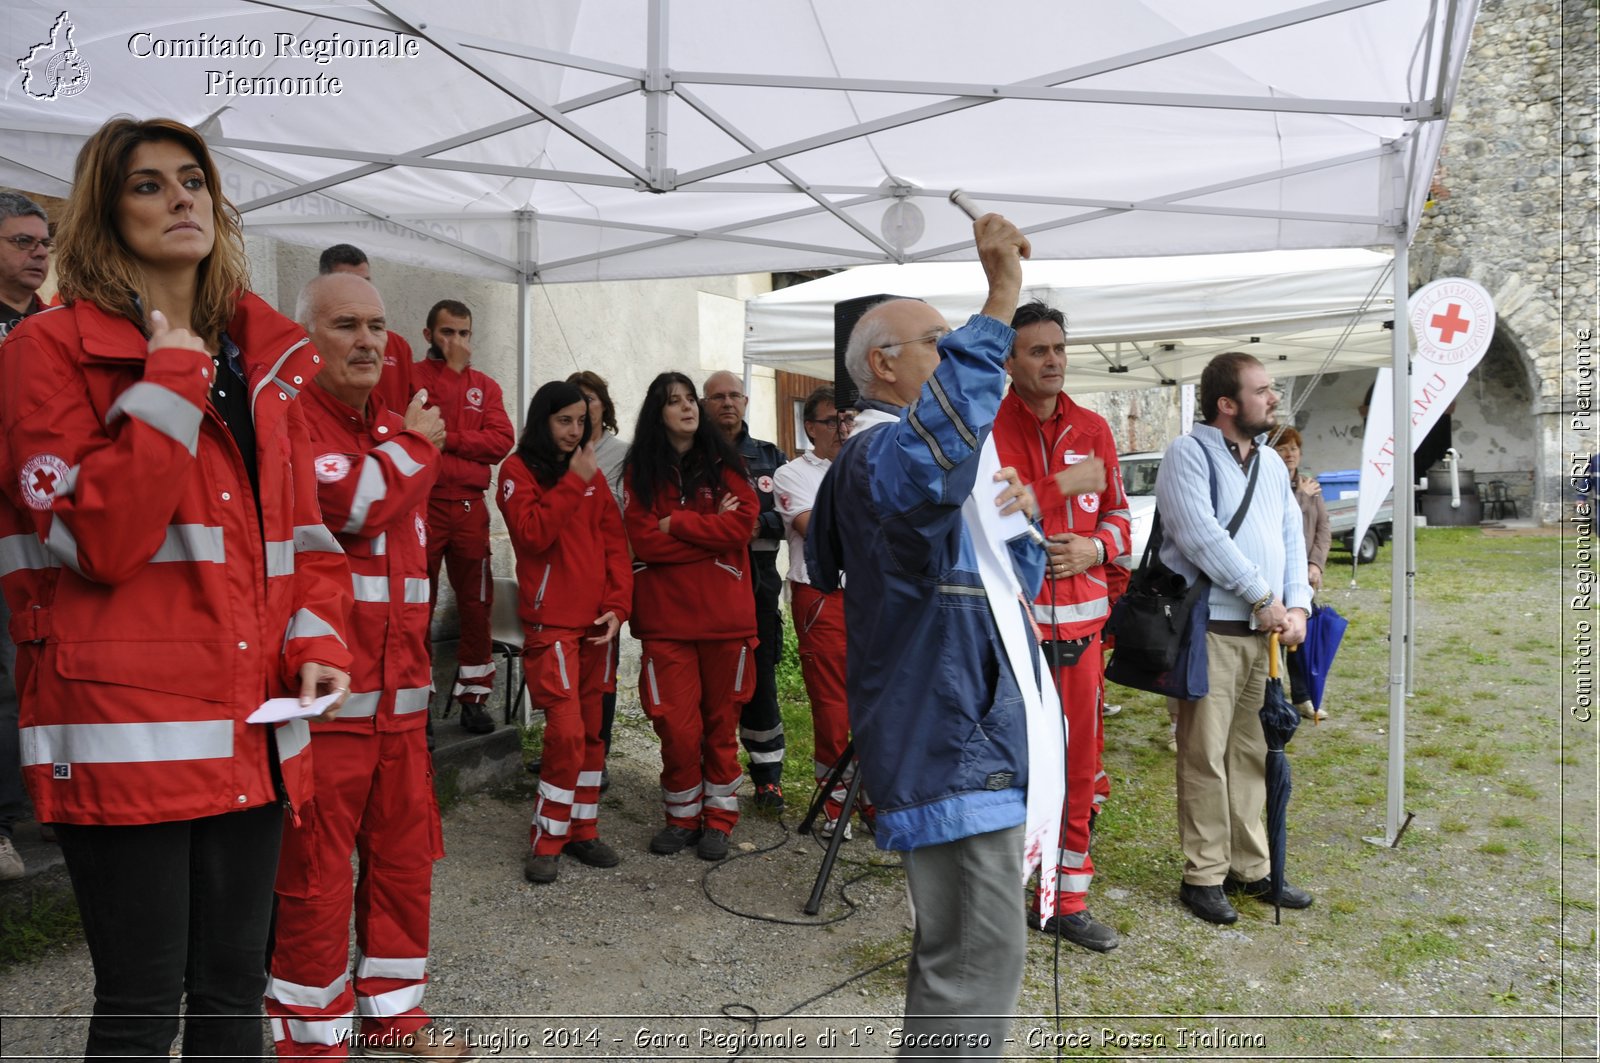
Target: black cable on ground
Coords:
[(869, 867), (755, 1018)]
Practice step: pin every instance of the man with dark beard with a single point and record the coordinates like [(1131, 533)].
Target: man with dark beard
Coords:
[(1258, 586)]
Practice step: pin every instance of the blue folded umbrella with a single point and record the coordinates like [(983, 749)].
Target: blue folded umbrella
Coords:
[(1324, 632)]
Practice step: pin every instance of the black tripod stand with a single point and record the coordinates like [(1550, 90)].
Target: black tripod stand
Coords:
[(851, 798)]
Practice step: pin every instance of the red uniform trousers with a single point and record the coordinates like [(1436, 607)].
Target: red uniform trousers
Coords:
[(1080, 687), (374, 796), (819, 629), (566, 678), (458, 534), (693, 693)]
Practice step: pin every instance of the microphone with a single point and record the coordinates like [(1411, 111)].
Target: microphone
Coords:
[(962, 200)]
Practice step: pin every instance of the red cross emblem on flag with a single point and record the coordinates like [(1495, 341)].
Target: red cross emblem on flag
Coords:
[(1449, 323), (40, 478)]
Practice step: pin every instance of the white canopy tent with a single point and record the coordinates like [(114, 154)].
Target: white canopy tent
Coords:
[(1132, 322), (571, 140)]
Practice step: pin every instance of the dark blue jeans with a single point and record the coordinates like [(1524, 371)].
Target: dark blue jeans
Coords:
[(174, 911)]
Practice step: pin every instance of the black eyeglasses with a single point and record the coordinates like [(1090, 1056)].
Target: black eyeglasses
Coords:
[(846, 419), (25, 243)]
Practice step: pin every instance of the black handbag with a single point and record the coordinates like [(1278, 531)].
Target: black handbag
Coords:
[(1153, 622)]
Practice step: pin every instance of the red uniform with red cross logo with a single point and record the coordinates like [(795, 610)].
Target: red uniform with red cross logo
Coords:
[(477, 436), (156, 598), (572, 567), (1075, 608), (694, 610), (374, 776)]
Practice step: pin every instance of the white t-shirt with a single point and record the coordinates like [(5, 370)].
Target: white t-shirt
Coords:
[(794, 491)]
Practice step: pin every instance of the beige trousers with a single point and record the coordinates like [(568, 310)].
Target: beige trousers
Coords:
[(1222, 758)]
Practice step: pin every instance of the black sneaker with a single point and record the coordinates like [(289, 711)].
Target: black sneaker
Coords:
[(713, 845), (475, 719), (670, 839), (593, 852), (540, 869), (769, 797), (605, 779), (1209, 903), (1081, 928), (1261, 890)]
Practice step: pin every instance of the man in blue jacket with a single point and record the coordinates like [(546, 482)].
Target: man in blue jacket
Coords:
[(935, 708)]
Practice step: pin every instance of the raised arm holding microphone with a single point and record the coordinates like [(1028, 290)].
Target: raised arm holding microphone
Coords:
[(935, 708)]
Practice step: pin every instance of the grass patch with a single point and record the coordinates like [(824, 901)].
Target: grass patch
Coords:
[(447, 788), (1479, 762), (46, 921), (1494, 848), (1401, 951)]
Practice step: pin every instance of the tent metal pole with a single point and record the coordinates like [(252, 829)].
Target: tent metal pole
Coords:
[(656, 86), (1399, 600), (524, 321)]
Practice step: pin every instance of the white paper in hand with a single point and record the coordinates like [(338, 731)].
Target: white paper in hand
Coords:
[(276, 710)]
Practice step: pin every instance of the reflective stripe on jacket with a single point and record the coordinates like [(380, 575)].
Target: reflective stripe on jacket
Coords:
[(1074, 606), (373, 478)]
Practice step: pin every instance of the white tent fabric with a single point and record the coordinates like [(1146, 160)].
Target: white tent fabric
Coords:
[(1131, 322), (575, 140)]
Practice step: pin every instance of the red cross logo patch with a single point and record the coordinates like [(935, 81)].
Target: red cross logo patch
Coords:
[(475, 398), (331, 468), (41, 477), (506, 487)]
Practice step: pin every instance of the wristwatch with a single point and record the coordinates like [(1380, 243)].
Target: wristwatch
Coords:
[(1262, 604)]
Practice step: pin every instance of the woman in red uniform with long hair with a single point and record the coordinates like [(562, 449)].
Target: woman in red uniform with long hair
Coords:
[(689, 513), (574, 586), (168, 571)]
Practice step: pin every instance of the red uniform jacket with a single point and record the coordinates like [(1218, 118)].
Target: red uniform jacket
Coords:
[(395, 383), (572, 558), (151, 614), (477, 432), (693, 581), (373, 478), (1076, 606)]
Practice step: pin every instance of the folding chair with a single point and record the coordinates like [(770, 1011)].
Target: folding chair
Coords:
[(1497, 501), (505, 640)]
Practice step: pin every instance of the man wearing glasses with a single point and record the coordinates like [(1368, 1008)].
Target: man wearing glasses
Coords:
[(24, 258), (760, 724), (24, 263), (818, 617), (936, 704)]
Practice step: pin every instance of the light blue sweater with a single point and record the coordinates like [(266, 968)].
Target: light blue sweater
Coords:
[(1267, 555)]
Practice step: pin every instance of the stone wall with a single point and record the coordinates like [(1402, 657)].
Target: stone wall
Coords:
[(1513, 209)]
